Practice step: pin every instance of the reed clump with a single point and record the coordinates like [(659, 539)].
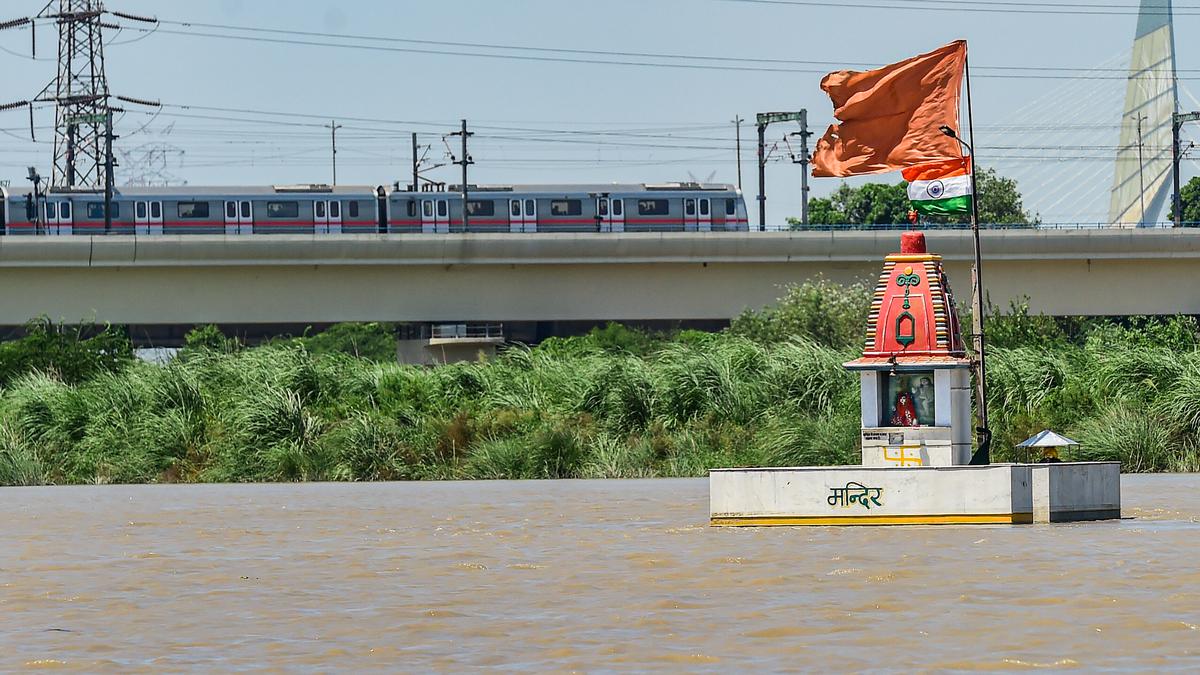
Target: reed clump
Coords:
[(618, 403)]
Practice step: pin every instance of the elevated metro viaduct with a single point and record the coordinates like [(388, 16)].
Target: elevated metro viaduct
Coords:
[(170, 283)]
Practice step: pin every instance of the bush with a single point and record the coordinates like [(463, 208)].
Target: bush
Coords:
[(817, 310), (72, 353)]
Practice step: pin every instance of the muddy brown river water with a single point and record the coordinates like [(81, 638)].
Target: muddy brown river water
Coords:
[(616, 575)]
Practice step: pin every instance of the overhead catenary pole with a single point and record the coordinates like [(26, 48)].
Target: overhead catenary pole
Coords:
[(1141, 171), (737, 122), (71, 131), (109, 163), (1176, 201), (416, 164), (333, 126), (764, 120), (804, 161), (762, 176), (464, 161)]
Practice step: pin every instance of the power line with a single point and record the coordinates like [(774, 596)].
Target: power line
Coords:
[(1061, 9), (587, 52), (724, 63)]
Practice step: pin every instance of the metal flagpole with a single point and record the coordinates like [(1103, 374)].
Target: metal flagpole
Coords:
[(983, 454)]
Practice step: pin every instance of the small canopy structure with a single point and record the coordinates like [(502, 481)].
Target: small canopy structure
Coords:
[(1047, 439)]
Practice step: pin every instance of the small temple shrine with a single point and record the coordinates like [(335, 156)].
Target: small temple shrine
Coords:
[(915, 383), (914, 371)]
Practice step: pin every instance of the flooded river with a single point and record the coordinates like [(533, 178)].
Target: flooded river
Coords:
[(576, 575)]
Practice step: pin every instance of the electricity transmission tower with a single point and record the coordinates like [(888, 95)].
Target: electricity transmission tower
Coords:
[(83, 113), (148, 165)]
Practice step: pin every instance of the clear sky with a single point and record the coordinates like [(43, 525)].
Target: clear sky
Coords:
[(546, 121)]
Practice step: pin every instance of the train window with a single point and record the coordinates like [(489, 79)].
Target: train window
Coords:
[(653, 207), (245, 210), (566, 207), (427, 209), (352, 208), (200, 210), (64, 210), (51, 211), (689, 207), (443, 208), (618, 207), (335, 210), (319, 209), (602, 207), (230, 210), (283, 209), (515, 208), (139, 210), (156, 210), (412, 209), (704, 207), (730, 207), (95, 210), (481, 207), (530, 208)]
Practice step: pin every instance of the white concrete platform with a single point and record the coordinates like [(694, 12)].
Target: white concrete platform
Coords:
[(864, 495)]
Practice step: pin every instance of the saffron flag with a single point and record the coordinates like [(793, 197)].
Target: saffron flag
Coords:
[(890, 117), (940, 189)]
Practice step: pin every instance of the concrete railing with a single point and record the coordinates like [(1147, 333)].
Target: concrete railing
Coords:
[(557, 249)]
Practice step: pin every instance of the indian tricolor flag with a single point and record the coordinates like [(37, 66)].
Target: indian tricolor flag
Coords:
[(941, 188)]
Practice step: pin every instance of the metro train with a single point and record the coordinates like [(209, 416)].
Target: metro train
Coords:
[(324, 209)]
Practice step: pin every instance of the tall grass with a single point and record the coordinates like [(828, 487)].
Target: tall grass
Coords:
[(611, 405)]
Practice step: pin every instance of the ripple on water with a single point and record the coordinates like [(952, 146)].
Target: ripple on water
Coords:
[(621, 575)]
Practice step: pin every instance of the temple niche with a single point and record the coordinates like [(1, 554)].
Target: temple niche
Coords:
[(914, 372)]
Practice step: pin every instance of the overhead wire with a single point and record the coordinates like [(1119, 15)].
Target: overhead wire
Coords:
[(658, 60), (1060, 9)]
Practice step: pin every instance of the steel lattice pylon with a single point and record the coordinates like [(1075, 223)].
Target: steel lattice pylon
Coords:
[(82, 96)]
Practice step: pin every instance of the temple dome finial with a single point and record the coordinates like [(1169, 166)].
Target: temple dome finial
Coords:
[(912, 243)]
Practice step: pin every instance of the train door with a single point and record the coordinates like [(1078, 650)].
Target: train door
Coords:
[(246, 218), (232, 225), (335, 217), (320, 217), (141, 218), (616, 210), (704, 219), (66, 218), (50, 216), (442, 217), (239, 217), (156, 218), (691, 218), (428, 219), (610, 213), (516, 215), (530, 218), (58, 217)]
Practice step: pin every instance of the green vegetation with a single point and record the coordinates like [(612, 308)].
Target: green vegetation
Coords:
[(887, 204), (1189, 199), (771, 390)]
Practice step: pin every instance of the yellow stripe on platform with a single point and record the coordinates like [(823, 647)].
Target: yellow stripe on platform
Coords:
[(960, 519)]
